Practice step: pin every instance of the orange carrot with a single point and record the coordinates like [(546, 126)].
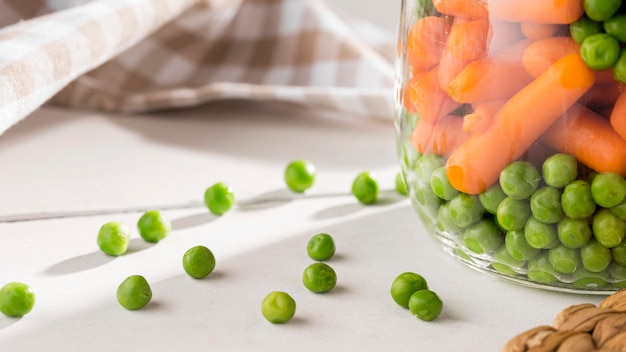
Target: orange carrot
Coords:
[(537, 11), (618, 115), (468, 39), (466, 42), (542, 53), (601, 95), (426, 40), (590, 138), (476, 164), (469, 9), (489, 78), (440, 137), (482, 116), (537, 31), (428, 99), (408, 89)]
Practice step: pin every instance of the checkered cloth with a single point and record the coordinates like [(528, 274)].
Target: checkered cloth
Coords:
[(140, 55)]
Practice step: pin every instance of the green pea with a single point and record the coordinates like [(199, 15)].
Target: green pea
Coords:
[(574, 233), (559, 170), (319, 278), (600, 51), (540, 270), (564, 260), (619, 253), (540, 235), (365, 188), (321, 247), (620, 210), (278, 307), (113, 238), (491, 198), (619, 69), (16, 299), (425, 196), (483, 237), (425, 305), (299, 175), (154, 226), (505, 263), (198, 262), (608, 189), (134, 292), (401, 186), (589, 280), (595, 256), (616, 26), (465, 209), (518, 247), (219, 198), (444, 222), (601, 10), (512, 213), (519, 179), (577, 201), (441, 185), (608, 229), (583, 28), (404, 285), (545, 205), (425, 166)]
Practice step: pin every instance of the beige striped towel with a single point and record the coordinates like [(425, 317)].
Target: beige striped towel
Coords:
[(141, 55)]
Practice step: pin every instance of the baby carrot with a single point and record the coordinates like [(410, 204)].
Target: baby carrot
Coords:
[(476, 164), (537, 11), (482, 116), (440, 137), (540, 54), (466, 42), (469, 9), (590, 138), (489, 78), (428, 99), (426, 40), (618, 115), (537, 31), (468, 39)]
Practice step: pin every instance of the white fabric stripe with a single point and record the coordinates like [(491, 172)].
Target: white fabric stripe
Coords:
[(40, 32)]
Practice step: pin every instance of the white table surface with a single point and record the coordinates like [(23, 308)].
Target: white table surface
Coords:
[(103, 167)]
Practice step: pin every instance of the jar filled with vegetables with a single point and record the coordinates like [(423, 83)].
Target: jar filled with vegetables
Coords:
[(511, 130)]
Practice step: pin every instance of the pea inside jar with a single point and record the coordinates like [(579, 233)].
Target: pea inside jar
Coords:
[(511, 129)]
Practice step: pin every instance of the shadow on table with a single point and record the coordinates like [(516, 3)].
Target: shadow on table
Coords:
[(8, 321), (94, 259), (80, 263), (279, 197), (386, 197), (193, 220)]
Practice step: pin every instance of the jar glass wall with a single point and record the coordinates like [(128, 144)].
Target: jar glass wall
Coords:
[(511, 132)]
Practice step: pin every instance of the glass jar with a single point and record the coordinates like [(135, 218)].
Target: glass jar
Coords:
[(510, 126)]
